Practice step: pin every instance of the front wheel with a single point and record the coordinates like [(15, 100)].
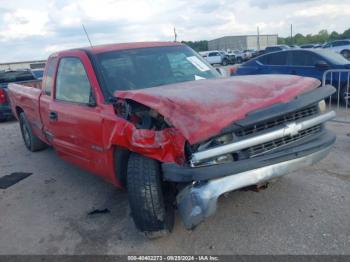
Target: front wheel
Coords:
[(151, 201), (224, 62), (239, 60)]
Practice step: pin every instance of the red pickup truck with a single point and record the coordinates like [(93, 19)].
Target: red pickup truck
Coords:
[(158, 120)]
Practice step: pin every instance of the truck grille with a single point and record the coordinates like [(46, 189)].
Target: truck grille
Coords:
[(268, 146), (293, 116)]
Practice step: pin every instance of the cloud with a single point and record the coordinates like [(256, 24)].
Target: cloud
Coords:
[(273, 3), (34, 29), (23, 23), (327, 10)]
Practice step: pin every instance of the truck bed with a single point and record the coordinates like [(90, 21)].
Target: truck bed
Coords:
[(25, 96)]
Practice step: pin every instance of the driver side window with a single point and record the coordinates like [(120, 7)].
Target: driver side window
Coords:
[(72, 83)]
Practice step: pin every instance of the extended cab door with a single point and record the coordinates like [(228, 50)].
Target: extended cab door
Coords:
[(73, 119), (46, 96)]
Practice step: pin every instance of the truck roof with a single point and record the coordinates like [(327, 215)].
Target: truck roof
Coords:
[(122, 46)]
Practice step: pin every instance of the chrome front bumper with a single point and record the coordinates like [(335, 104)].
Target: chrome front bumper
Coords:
[(198, 200), (289, 129)]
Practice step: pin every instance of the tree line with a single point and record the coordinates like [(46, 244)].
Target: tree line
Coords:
[(299, 39), (320, 38)]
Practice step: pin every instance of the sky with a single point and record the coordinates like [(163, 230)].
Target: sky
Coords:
[(31, 30)]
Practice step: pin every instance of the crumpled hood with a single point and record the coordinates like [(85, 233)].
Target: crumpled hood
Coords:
[(201, 109)]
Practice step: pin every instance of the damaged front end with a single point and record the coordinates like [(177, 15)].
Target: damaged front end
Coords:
[(282, 150), (146, 132), (215, 144), (267, 144)]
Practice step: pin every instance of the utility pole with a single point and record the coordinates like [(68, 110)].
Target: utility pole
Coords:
[(258, 39), (175, 35), (291, 34)]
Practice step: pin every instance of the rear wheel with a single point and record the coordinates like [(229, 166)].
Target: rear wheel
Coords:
[(346, 54), (151, 201), (31, 141)]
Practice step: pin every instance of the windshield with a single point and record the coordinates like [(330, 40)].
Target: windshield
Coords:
[(149, 67), (15, 76)]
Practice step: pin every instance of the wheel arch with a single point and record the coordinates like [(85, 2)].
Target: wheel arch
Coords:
[(121, 158), (19, 110)]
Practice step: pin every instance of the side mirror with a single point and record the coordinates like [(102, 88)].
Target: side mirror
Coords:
[(321, 65)]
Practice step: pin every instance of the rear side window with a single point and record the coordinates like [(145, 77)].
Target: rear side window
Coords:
[(50, 74), (72, 83), (214, 54), (279, 58), (300, 58)]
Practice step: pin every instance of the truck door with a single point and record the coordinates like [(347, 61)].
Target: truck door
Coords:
[(74, 117), (46, 96)]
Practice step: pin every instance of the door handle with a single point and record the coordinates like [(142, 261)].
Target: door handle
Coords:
[(53, 115)]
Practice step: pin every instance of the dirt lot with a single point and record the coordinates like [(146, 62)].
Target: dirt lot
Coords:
[(307, 212)]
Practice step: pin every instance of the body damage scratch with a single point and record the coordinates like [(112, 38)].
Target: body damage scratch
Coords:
[(166, 145), (201, 109)]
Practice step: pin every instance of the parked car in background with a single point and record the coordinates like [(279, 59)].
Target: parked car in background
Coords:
[(230, 56), (294, 46), (340, 46), (38, 73), (238, 56), (276, 48), (306, 46), (247, 54), (258, 52), (302, 62), (216, 57), (7, 77), (135, 114)]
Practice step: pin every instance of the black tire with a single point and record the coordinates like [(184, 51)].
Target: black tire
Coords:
[(239, 60), (346, 54), (31, 141), (224, 62), (151, 201)]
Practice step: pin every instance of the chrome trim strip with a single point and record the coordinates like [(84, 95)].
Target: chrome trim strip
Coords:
[(289, 129)]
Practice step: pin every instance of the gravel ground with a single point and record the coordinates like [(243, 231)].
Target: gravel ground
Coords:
[(307, 212)]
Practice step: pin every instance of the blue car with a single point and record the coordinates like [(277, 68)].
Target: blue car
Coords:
[(311, 63)]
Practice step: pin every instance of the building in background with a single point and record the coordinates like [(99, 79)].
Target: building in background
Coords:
[(242, 42), (23, 65)]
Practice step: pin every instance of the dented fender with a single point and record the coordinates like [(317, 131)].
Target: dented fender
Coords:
[(165, 145)]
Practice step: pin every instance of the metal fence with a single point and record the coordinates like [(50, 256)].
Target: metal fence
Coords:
[(340, 101)]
